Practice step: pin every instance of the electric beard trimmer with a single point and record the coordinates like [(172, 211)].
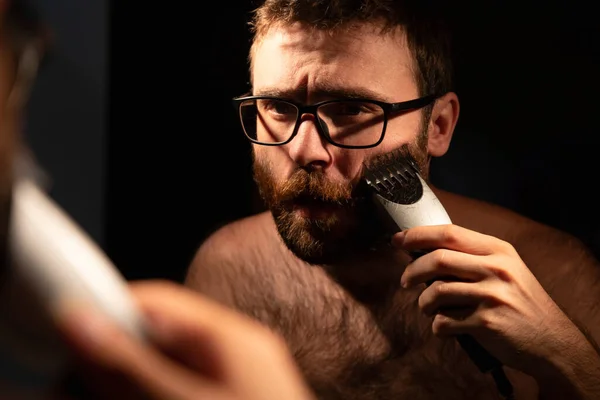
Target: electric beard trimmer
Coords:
[(402, 194)]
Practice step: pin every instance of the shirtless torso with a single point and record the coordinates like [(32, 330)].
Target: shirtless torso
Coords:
[(364, 337)]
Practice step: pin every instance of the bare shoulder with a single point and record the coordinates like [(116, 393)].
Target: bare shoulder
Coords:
[(226, 258), (235, 240), (243, 265), (485, 217), (533, 240)]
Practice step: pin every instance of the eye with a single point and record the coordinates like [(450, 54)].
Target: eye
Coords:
[(277, 107), (350, 109), (349, 112), (345, 109)]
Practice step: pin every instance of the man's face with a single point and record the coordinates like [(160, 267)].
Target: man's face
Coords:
[(311, 186)]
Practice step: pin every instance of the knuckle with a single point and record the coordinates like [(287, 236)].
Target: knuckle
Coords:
[(440, 325), (422, 302), (485, 321), (507, 247), (500, 296), (440, 257), (449, 234), (440, 289), (497, 267)]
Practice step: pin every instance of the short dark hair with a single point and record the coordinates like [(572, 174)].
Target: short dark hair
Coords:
[(423, 21)]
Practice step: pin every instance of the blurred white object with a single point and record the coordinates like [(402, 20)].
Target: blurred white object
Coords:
[(53, 263)]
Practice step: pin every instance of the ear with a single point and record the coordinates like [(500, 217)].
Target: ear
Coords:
[(444, 117)]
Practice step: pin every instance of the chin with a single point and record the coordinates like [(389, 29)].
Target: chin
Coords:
[(316, 253), (323, 240)]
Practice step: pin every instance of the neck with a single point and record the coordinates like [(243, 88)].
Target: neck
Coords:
[(372, 276)]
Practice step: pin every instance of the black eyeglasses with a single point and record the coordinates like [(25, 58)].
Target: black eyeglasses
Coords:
[(351, 123)]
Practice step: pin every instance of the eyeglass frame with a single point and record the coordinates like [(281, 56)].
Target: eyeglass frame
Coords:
[(388, 108)]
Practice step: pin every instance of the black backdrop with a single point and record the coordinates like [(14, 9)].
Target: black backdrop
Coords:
[(179, 165)]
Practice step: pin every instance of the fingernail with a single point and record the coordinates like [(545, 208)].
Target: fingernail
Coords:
[(398, 239), (403, 282)]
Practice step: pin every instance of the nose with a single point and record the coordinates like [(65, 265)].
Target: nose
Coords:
[(308, 147)]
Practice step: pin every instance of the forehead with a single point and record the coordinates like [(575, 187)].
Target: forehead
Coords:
[(301, 60)]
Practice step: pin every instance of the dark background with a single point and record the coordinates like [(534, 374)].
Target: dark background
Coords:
[(67, 121), (159, 160)]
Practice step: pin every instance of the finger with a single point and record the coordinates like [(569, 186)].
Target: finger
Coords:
[(109, 352), (181, 315), (188, 342), (452, 237), (443, 295), (452, 322), (194, 329), (158, 297), (443, 264)]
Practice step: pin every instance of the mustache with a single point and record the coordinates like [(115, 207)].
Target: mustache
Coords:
[(313, 186)]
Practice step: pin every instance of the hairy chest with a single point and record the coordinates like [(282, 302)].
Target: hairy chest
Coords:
[(348, 351)]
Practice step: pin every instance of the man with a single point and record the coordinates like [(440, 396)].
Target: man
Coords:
[(355, 312), (214, 354)]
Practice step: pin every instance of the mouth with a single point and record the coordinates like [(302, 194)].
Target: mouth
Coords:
[(315, 209)]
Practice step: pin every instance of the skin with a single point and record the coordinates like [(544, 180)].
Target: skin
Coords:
[(286, 61), (370, 328), (216, 353)]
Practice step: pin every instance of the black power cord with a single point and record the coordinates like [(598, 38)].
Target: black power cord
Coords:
[(504, 386), (487, 363)]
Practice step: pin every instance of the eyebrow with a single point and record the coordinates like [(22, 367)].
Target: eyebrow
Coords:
[(321, 92)]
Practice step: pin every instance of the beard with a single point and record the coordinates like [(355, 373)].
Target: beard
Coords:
[(340, 222)]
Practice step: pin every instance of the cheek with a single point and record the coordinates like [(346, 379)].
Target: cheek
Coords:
[(275, 159), (345, 167), (401, 130), (348, 163)]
